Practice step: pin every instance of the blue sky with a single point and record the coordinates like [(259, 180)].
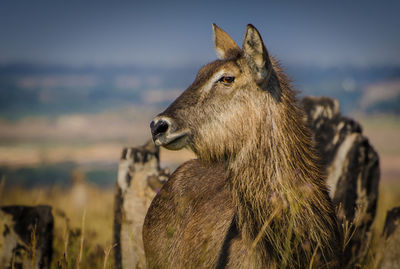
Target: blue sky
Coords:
[(178, 33)]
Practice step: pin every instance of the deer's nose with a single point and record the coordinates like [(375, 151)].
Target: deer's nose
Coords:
[(158, 127)]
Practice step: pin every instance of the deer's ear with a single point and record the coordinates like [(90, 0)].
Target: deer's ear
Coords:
[(257, 55), (224, 45)]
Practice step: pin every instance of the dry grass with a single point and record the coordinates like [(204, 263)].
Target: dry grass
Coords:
[(80, 240), (83, 232), (389, 197)]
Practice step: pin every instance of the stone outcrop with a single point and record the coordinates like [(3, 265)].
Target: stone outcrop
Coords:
[(139, 179), (352, 168), (391, 241), (26, 236)]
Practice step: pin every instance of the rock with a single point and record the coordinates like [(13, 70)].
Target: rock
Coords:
[(26, 235), (352, 168), (391, 233), (139, 178)]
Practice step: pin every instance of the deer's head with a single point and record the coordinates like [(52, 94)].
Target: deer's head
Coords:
[(224, 106)]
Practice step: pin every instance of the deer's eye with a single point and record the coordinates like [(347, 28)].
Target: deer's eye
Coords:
[(226, 80)]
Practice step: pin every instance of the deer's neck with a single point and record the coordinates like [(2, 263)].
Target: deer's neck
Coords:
[(277, 187)]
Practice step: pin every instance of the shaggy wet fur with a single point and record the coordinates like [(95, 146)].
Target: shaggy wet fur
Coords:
[(256, 197)]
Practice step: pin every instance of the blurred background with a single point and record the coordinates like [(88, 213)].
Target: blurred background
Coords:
[(79, 80)]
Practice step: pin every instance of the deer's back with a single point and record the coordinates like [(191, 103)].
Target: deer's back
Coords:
[(190, 222)]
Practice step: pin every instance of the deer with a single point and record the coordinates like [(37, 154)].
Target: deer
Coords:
[(255, 197)]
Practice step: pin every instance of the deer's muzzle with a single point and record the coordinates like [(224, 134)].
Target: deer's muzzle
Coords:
[(165, 133)]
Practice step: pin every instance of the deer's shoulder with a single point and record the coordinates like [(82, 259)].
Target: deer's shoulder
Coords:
[(192, 184), (185, 206)]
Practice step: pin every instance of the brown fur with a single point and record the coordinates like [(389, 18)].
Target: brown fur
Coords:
[(256, 197)]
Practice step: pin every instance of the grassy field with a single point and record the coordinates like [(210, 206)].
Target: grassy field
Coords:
[(81, 212), (89, 209)]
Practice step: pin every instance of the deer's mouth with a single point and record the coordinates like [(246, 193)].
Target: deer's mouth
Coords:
[(172, 141)]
